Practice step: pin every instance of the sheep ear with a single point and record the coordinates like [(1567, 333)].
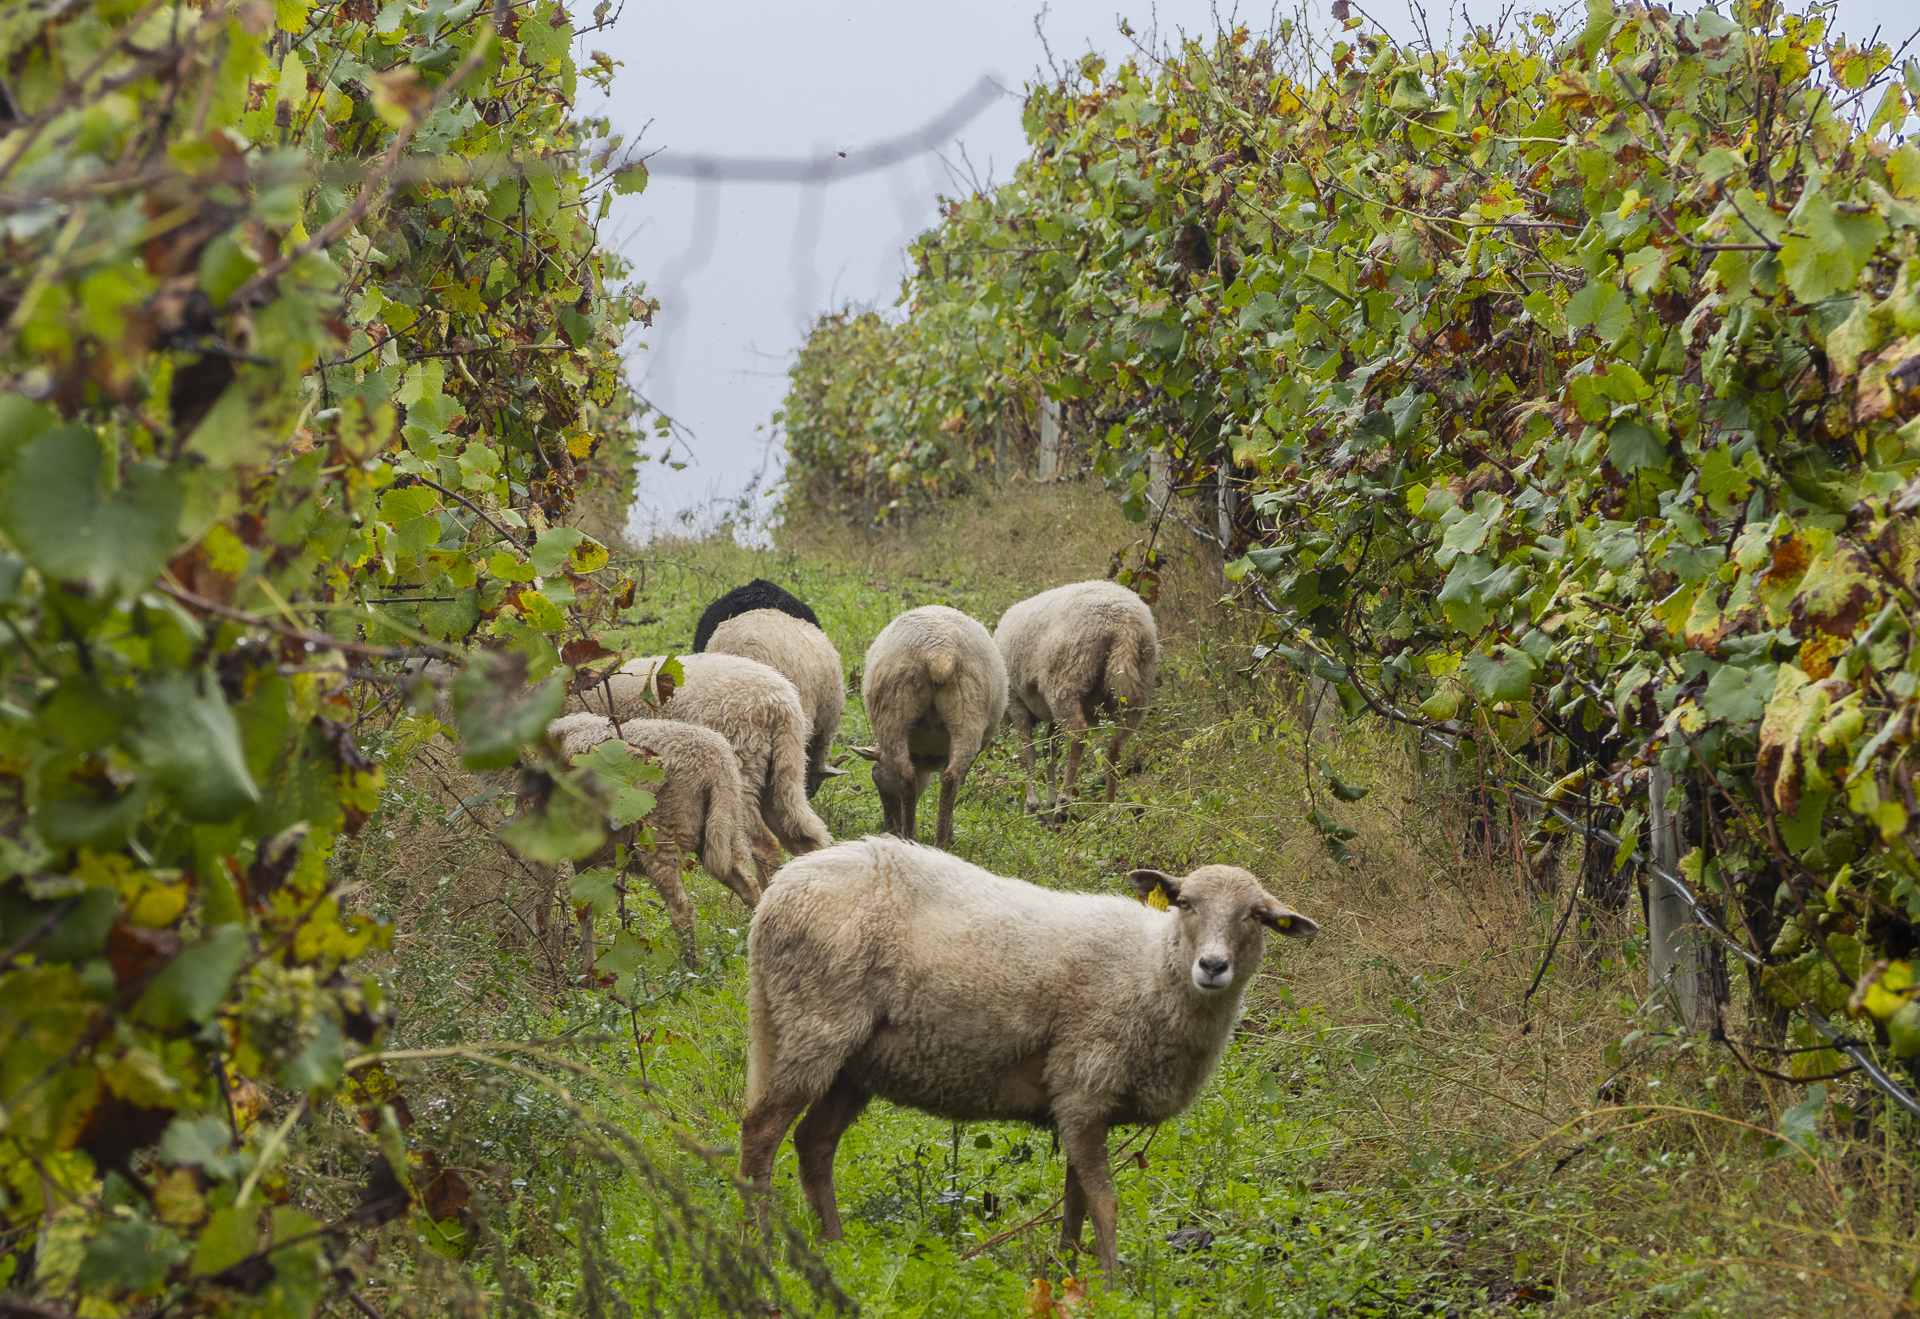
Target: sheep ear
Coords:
[(1278, 916), (1146, 881), (867, 753)]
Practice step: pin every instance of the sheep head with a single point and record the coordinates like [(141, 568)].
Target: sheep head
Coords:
[(1222, 916)]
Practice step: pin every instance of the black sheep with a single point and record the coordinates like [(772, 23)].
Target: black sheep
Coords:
[(756, 594)]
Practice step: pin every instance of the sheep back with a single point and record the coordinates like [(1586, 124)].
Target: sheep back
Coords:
[(942, 986), (803, 654), (756, 594), (1092, 643)]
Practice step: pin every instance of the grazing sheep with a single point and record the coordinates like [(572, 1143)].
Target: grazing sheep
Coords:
[(801, 652), (756, 594), (935, 691), (881, 968), (1077, 655), (758, 712), (699, 807)]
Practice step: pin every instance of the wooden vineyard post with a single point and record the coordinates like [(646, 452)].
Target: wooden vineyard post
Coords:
[(1049, 462), (1673, 950)]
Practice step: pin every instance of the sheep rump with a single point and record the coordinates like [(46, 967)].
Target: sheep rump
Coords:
[(881, 968), (1077, 655), (758, 712), (801, 653), (935, 691), (700, 807)]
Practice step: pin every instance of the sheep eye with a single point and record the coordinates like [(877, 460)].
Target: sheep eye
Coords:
[(1183, 904)]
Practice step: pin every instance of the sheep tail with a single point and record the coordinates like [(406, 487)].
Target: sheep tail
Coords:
[(940, 668), (784, 799), (762, 1042), (719, 854), (1131, 661)]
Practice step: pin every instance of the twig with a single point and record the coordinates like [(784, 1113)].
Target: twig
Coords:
[(318, 639)]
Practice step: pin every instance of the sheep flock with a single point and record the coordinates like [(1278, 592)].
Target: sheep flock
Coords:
[(884, 968)]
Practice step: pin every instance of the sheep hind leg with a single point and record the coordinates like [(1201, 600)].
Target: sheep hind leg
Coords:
[(1023, 722), (760, 1133), (765, 848), (1124, 725), (817, 1139), (661, 865), (1076, 748)]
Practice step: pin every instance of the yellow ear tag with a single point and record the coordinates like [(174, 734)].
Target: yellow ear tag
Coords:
[(1157, 899), (1284, 922)]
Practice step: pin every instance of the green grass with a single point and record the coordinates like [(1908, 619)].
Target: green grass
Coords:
[(1389, 1133)]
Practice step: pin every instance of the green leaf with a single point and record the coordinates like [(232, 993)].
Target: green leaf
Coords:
[(1330, 827), (1506, 675), (630, 180), (322, 1064), (230, 1236), (1738, 695), (1719, 163), (192, 744), (595, 889), (202, 1142), (498, 714), (1829, 253), (1344, 791), (189, 988), (1799, 1125), (554, 548), (627, 955), (131, 1254), (1601, 306), (564, 827), (1631, 447), (56, 513)]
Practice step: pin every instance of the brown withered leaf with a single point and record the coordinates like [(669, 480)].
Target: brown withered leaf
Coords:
[(116, 1129), (383, 1199), (137, 954), (581, 650)]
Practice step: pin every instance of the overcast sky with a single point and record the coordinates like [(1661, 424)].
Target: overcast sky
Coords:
[(743, 273)]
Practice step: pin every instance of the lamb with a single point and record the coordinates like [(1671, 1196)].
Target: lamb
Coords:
[(935, 691), (880, 968), (799, 650), (699, 808), (758, 712), (1077, 655)]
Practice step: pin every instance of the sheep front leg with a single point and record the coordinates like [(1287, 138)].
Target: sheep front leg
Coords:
[(817, 1139), (661, 865), (1073, 1210), (909, 799), (1086, 1150)]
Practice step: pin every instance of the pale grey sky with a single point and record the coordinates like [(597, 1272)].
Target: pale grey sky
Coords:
[(793, 79)]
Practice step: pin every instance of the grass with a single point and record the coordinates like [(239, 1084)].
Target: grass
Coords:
[(1393, 1131)]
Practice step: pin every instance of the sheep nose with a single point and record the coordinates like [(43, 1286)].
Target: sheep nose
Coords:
[(1214, 965)]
